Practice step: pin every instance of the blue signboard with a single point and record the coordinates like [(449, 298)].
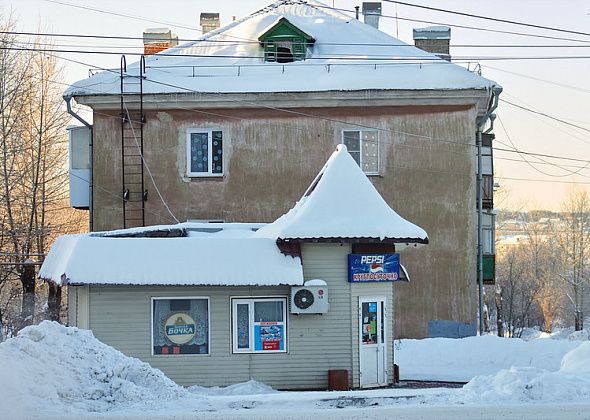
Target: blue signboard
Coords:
[(373, 267)]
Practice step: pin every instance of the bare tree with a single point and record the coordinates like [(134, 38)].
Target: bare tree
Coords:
[(33, 172), (572, 248)]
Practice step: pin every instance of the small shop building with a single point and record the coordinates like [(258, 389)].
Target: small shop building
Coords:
[(284, 303)]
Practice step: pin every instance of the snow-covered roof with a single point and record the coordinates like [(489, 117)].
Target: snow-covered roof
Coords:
[(341, 202), (348, 55), (220, 257)]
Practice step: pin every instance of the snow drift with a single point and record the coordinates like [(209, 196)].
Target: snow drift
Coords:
[(53, 369), (571, 383)]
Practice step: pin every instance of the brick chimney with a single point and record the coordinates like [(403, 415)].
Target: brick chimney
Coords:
[(435, 40), (158, 39), (209, 22), (371, 13)]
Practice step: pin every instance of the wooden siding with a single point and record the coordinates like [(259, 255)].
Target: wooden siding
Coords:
[(121, 316)]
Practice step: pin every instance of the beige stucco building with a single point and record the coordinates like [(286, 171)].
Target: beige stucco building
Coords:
[(272, 117)]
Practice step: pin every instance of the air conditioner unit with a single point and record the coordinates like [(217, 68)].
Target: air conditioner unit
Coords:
[(311, 298)]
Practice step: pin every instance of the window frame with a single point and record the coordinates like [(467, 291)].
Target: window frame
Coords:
[(154, 298), (234, 301), (361, 145), (209, 173)]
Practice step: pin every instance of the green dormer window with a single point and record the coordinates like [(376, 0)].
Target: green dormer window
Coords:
[(285, 43)]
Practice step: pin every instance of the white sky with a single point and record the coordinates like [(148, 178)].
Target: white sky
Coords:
[(528, 132)]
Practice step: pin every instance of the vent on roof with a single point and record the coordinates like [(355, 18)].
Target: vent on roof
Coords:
[(435, 40), (209, 22), (371, 13), (158, 39)]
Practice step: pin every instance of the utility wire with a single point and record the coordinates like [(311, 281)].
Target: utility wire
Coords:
[(359, 58), (246, 42), (512, 22), (576, 88), (545, 115), (464, 26)]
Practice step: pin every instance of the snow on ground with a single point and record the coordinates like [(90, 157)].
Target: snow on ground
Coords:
[(449, 359), (55, 369), (52, 371)]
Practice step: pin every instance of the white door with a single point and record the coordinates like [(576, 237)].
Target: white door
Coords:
[(372, 342)]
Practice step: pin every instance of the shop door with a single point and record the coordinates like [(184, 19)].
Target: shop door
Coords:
[(373, 349)]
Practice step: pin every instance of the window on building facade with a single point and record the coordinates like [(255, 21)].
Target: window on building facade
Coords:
[(259, 325), (180, 326), (204, 153), (363, 146)]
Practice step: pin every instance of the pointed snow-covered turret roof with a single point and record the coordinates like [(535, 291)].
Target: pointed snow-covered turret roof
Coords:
[(347, 55), (342, 203)]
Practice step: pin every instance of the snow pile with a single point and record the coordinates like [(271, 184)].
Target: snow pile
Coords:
[(250, 387), (53, 369), (570, 383), (448, 359)]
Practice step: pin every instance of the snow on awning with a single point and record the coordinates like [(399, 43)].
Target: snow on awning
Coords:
[(193, 260), (342, 203)]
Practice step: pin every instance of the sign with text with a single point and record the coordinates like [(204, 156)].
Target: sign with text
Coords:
[(373, 267)]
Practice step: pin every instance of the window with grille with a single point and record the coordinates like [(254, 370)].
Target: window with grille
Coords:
[(204, 153), (363, 146)]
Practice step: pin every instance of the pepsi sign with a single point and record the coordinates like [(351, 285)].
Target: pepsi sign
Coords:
[(373, 267)]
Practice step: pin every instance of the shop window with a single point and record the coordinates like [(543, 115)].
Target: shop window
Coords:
[(363, 146), (204, 153), (180, 326), (259, 325)]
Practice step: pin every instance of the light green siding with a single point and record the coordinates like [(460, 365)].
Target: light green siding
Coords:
[(121, 316)]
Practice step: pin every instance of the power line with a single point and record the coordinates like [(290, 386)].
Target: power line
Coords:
[(247, 42), (473, 28), (576, 88), (545, 115), (512, 22), (533, 166), (359, 58)]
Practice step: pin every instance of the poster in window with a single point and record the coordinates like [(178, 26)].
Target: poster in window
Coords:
[(269, 336), (180, 326)]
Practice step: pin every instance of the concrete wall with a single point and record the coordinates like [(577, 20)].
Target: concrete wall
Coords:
[(270, 158)]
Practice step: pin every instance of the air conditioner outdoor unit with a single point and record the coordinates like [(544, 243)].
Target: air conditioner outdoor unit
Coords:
[(311, 298)]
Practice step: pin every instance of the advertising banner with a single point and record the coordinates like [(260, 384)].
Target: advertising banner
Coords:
[(373, 267), (269, 336)]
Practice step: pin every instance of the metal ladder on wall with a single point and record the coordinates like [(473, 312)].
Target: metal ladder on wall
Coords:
[(134, 193)]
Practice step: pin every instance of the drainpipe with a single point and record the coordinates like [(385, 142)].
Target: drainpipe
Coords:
[(68, 99), (496, 90)]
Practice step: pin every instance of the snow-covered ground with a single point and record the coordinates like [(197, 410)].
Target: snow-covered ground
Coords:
[(52, 371)]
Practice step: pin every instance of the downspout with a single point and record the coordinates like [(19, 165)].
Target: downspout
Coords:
[(68, 99), (496, 90)]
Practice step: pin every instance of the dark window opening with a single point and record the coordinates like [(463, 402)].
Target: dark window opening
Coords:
[(284, 55)]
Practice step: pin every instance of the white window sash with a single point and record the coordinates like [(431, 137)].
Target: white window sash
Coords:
[(189, 156), (361, 150), (251, 324)]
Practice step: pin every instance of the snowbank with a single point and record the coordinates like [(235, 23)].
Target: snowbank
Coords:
[(250, 387), (571, 383), (448, 359), (52, 369)]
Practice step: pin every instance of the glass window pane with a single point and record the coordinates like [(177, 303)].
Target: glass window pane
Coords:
[(199, 152), (243, 326), (370, 152), (369, 324), (369, 136), (352, 140), (356, 156), (271, 311), (217, 152), (181, 326)]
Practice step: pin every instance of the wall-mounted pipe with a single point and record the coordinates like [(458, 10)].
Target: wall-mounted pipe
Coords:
[(68, 99), (493, 104)]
